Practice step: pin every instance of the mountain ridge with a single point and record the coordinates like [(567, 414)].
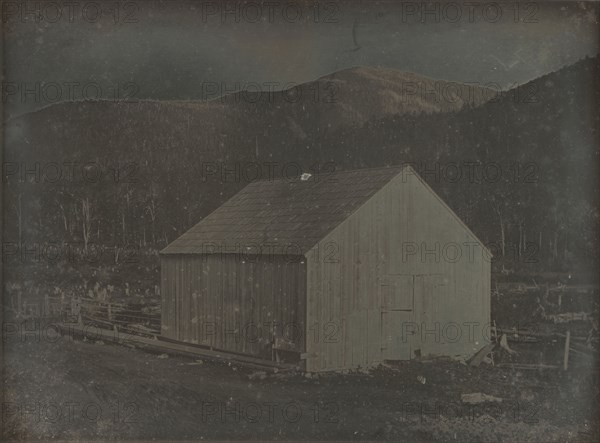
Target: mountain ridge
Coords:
[(172, 151), (376, 77)]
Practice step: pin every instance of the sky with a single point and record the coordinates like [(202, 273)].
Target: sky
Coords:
[(176, 50)]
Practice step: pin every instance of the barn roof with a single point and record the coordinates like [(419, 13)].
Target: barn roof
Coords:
[(283, 216)]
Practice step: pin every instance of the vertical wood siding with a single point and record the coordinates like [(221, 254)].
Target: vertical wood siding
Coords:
[(345, 295), (233, 305)]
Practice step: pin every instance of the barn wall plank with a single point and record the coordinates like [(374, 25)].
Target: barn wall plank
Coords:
[(224, 302), (372, 245)]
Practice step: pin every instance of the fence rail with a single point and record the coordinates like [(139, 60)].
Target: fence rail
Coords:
[(129, 317)]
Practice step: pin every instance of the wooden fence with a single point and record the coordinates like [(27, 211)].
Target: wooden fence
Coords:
[(133, 318)]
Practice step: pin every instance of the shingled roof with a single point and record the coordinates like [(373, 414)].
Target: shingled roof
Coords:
[(283, 215)]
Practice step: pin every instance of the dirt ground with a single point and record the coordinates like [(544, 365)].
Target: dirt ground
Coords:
[(60, 388), (57, 388)]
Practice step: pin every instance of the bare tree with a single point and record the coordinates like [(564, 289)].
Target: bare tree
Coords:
[(19, 211), (86, 221), (499, 211)]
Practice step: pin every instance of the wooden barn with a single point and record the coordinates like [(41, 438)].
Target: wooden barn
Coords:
[(336, 271)]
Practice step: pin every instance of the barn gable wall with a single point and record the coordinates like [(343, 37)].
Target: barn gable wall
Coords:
[(232, 304), (380, 254)]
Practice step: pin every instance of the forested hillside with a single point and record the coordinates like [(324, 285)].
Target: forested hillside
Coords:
[(521, 167)]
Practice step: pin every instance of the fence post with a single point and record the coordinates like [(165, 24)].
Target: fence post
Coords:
[(566, 355), (76, 309), (109, 312)]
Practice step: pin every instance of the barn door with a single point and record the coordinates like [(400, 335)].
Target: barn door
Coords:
[(397, 327)]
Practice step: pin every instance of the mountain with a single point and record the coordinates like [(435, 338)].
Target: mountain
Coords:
[(354, 96), (231, 125), (540, 145), (177, 161), (192, 137)]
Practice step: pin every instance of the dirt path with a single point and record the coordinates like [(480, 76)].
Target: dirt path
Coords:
[(81, 390)]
